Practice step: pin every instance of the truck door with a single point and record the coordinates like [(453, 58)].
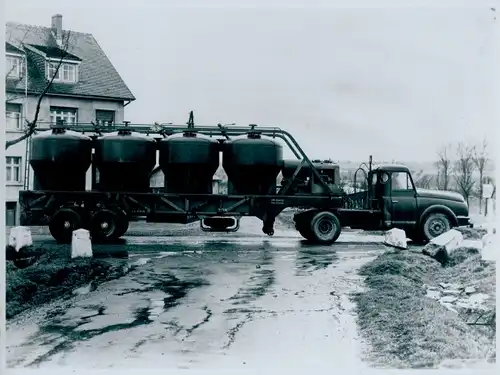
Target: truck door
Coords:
[(403, 200), (384, 198)]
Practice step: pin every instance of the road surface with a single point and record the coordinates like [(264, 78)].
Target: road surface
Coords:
[(222, 301)]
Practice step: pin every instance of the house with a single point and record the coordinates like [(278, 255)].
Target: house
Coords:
[(86, 88)]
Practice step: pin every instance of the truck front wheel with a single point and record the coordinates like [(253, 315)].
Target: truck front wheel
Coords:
[(434, 225), (63, 223), (325, 228)]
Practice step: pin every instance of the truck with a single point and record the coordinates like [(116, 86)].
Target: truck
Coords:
[(121, 159)]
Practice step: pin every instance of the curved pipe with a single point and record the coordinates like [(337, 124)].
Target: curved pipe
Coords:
[(355, 174)]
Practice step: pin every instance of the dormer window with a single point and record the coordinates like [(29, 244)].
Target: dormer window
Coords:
[(14, 66), (67, 73)]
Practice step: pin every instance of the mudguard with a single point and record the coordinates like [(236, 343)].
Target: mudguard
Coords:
[(441, 209)]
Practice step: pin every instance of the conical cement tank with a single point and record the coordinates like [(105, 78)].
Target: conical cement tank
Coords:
[(252, 164), (60, 159), (189, 162), (124, 161)]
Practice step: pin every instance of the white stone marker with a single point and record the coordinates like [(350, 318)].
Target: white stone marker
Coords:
[(490, 250), (396, 238), (81, 246), (20, 237)]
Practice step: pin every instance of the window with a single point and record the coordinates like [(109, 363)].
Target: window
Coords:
[(13, 116), (13, 166), (63, 116), (66, 73), (10, 213), (104, 118), (13, 66), (401, 181)]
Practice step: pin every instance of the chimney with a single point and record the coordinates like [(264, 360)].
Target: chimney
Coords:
[(57, 28)]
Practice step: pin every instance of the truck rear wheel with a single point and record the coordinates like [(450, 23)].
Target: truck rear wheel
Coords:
[(434, 225), (302, 228), (303, 224), (325, 228), (63, 223), (105, 225)]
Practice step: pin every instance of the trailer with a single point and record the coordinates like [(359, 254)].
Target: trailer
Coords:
[(389, 200)]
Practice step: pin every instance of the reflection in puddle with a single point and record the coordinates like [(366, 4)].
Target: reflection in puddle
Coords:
[(314, 258)]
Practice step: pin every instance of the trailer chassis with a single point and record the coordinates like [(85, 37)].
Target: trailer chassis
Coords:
[(107, 215)]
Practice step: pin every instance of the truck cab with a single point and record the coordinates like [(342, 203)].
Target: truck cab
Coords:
[(423, 214)]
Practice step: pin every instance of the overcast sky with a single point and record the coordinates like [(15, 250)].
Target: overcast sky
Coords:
[(392, 82)]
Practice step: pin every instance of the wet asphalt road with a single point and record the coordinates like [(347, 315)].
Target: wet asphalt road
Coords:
[(197, 301)]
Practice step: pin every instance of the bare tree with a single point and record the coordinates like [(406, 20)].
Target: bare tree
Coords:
[(481, 160), (444, 167), (424, 181), (464, 169), (30, 125)]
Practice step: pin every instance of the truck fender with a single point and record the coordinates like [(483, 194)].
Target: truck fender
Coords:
[(441, 209)]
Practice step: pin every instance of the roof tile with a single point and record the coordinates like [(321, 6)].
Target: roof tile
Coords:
[(97, 75)]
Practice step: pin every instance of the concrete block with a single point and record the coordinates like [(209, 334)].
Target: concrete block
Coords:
[(434, 294), (448, 299), (442, 246), (452, 292), (396, 238), (20, 237), (470, 290), (81, 246), (489, 249)]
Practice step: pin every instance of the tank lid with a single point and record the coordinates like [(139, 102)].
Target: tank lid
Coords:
[(253, 134), (125, 131), (58, 129), (190, 125)]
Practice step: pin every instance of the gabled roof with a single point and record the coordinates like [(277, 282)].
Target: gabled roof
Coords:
[(97, 76)]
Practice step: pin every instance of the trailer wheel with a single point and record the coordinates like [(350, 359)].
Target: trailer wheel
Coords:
[(302, 227), (303, 224), (105, 225), (434, 225), (325, 228), (63, 223), (123, 222)]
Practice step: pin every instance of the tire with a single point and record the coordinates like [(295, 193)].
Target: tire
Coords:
[(302, 228), (325, 228), (105, 225), (434, 225), (123, 222), (302, 225), (63, 223)]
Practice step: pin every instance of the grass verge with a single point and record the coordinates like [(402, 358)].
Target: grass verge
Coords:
[(55, 275), (405, 328)]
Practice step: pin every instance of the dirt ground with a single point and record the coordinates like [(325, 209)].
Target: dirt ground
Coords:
[(194, 300)]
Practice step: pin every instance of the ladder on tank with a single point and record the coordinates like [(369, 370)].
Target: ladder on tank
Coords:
[(27, 164)]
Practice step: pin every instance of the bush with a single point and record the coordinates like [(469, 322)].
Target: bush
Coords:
[(52, 276), (405, 328)]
